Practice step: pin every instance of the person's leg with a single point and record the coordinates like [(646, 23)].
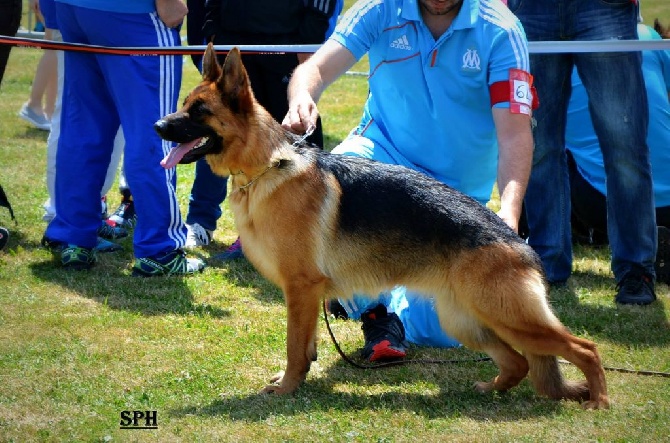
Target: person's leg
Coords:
[(589, 208), (207, 194), (418, 315), (41, 101), (619, 110), (547, 200), (630, 208), (117, 154), (145, 89), (82, 157), (54, 134)]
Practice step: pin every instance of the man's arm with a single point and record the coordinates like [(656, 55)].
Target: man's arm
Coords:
[(308, 82), (515, 157), (171, 12)]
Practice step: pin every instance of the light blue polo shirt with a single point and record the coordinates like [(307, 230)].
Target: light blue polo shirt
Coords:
[(581, 139), (429, 105)]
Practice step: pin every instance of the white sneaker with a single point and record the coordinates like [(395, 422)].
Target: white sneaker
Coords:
[(40, 121), (197, 236)]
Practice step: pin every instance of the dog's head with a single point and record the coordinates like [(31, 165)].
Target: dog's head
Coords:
[(212, 114)]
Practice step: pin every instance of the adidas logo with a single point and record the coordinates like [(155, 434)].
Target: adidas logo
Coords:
[(401, 43)]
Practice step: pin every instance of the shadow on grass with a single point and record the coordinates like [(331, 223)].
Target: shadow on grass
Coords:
[(443, 392), (240, 272), (110, 283), (622, 324)]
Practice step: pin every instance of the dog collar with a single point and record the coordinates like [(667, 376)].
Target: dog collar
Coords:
[(253, 180)]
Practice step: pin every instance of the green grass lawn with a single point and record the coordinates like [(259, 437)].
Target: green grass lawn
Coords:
[(78, 349)]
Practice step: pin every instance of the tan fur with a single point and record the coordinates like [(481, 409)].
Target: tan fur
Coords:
[(287, 221)]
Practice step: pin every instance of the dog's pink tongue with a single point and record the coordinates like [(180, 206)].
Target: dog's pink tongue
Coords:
[(177, 153)]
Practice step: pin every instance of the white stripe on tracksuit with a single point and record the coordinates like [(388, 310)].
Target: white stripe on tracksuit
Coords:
[(165, 39)]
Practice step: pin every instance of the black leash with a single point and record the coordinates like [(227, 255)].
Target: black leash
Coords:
[(349, 360), (4, 202)]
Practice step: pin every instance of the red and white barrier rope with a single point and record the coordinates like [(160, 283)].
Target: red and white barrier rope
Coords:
[(533, 47)]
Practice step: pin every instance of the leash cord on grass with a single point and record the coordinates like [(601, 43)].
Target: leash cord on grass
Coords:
[(349, 360)]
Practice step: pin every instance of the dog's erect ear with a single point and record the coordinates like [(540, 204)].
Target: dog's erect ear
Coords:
[(210, 65), (234, 83)]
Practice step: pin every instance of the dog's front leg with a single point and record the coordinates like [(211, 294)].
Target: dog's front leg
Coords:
[(302, 303)]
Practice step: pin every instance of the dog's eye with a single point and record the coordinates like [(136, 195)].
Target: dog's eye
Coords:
[(200, 109)]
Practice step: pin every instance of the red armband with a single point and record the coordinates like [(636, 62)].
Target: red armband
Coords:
[(518, 91)]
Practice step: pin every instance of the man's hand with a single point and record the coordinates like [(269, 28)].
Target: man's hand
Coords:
[(171, 12), (511, 220), (302, 114)]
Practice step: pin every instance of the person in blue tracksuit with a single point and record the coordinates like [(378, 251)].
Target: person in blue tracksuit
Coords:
[(101, 92)]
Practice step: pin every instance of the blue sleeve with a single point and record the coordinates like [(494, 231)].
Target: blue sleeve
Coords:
[(360, 27)]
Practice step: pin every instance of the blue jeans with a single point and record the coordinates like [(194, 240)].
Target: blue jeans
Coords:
[(618, 105), (207, 194)]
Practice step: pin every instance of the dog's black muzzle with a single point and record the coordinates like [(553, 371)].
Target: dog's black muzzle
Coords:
[(179, 128)]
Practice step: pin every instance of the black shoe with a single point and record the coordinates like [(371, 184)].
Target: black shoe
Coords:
[(56, 246), (662, 264), (636, 288), (384, 335), (124, 216), (111, 231)]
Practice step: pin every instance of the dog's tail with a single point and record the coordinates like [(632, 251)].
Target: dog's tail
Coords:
[(546, 377)]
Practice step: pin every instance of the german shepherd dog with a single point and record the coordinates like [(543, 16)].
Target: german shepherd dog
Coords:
[(320, 225)]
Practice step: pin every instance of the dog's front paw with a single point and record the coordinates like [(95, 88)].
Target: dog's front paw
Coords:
[(275, 387), (280, 385)]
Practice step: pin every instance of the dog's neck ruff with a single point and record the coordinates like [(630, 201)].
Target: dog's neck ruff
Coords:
[(274, 164)]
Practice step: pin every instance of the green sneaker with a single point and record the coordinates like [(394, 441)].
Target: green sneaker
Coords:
[(77, 258), (172, 263)]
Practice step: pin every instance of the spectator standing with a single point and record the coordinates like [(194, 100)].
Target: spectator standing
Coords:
[(48, 10), (100, 93), (435, 69), (620, 114)]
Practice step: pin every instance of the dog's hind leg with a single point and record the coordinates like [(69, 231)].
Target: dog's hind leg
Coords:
[(512, 365), (545, 373), (541, 342), (302, 304), (460, 324)]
